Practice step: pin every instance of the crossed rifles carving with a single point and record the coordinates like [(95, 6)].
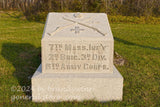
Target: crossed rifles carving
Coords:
[(73, 23)]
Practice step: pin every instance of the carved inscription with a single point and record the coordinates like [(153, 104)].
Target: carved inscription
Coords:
[(77, 56)]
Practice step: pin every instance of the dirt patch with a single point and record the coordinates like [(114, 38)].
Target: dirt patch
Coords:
[(119, 60)]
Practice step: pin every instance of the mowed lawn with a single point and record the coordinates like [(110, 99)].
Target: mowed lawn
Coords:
[(20, 47)]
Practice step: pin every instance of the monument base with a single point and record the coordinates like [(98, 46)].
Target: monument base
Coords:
[(56, 87)]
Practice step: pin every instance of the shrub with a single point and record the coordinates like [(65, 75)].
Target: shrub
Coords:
[(134, 19)]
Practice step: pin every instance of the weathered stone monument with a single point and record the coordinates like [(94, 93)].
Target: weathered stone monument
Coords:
[(77, 60)]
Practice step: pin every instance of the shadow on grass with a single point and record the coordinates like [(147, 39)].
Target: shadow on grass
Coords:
[(130, 43), (25, 58)]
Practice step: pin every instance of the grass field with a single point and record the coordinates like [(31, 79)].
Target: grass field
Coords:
[(20, 47)]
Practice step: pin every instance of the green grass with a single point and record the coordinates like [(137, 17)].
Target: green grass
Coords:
[(139, 44)]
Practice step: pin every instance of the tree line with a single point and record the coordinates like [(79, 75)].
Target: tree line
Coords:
[(113, 7)]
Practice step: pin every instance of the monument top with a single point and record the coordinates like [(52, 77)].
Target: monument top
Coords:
[(77, 24)]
